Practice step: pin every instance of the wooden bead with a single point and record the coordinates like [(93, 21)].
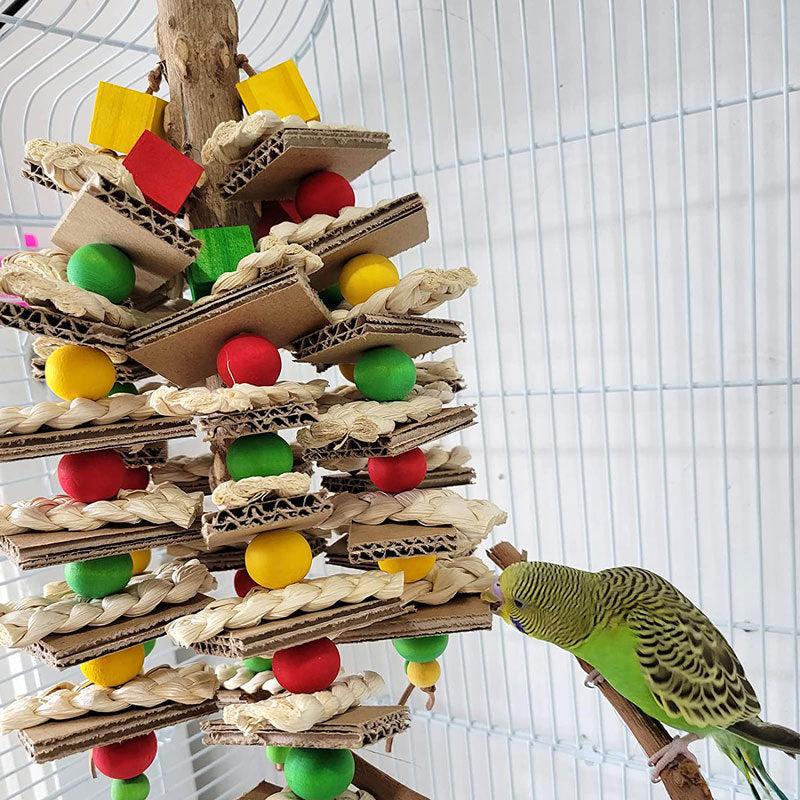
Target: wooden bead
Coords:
[(280, 89), (422, 648), (137, 788), (222, 250), (121, 114), (248, 358), (258, 664), (260, 454), (149, 645), (123, 388), (115, 669), (273, 212), (277, 755), (99, 577), (384, 374), (136, 478), (366, 274), (307, 668), (74, 370), (423, 674), (277, 558), (332, 296), (140, 559), (92, 476), (127, 759), (398, 473), (414, 568), (318, 774), (323, 192), (242, 582), (102, 269), (347, 372)]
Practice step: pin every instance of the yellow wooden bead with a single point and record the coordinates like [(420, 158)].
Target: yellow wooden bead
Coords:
[(277, 558), (115, 669), (280, 89), (121, 115), (366, 274), (140, 558), (413, 568), (74, 370), (425, 674), (347, 372)]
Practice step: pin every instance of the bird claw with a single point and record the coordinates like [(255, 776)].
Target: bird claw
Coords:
[(667, 755), (593, 679)]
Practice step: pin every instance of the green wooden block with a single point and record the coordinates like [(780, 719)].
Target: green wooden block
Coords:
[(222, 250)]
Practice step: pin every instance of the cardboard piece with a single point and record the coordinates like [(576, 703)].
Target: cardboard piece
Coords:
[(257, 420), (42, 321), (148, 455), (406, 436), (359, 727), (58, 739), (34, 172), (157, 246), (33, 549), (92, 437), (360, 481), (463, 613), (336, 554), (367, 543), (229, 525), (278, 634), (263, 791), (380, 785), (230, 697), (272, 170), (63, 650), (183, 347), (343, 342)]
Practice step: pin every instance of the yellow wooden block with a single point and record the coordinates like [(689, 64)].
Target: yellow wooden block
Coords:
[(280, 89), (121, 114)]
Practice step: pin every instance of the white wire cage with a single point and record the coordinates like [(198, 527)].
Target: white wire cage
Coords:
[(619, 173)]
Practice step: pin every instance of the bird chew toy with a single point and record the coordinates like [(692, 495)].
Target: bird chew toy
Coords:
[(102, 269), (260, 454), (92, 476), (74, 370), (366, 274), (279, 89), (398, 473), (248, 358), (323, 192), (121, 114), (99, 577), (278, 558), (384, 374), (308, 667)]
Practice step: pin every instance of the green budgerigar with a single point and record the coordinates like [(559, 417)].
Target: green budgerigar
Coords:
[(656, 648)]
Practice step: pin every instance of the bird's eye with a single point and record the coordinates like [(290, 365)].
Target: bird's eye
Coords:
[(518, 603)]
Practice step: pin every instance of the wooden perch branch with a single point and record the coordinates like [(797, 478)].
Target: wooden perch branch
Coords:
[(682, 780)]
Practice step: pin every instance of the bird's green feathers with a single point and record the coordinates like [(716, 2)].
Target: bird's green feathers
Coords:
[(654, 647)]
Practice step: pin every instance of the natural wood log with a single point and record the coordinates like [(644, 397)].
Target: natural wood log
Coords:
[(682, 779), (197, 40)]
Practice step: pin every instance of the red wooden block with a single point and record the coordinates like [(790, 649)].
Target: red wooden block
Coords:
[(164, 174)]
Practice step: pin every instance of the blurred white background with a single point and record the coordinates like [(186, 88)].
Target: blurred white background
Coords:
[(621, 176)]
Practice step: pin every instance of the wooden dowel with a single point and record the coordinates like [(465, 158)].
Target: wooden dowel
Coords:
[(682, 779)]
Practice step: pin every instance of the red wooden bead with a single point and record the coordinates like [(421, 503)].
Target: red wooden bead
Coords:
[(308, 667), (242, 582), (125, 760), (323, 193), (398, 473), (273, 212), (248, 358), (164, 174), (136, 478), (92, 476)]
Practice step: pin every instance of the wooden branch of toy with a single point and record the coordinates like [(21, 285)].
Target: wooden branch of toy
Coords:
[(682, 779), (197, 40)]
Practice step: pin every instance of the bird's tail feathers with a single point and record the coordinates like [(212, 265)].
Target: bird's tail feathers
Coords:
[(747, 758), (766, 734)]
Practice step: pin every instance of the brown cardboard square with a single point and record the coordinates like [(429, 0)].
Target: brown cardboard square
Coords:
[(406, 436), (34, 172), (367, 543), (463, 613), (183, 346), (34, 549), (42, 321), (263, 791), (230, 525), (360, 481), (389, 229), (102, 212), (278, 634), (230, 697), (359, 727), (147, 455), (64, 650), (58, 739), (381, 786), (92, 437), (272, 170), (337, 555), (257, 420), (343, 342)]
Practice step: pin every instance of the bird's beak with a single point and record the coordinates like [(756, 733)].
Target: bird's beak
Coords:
[(494, 597)]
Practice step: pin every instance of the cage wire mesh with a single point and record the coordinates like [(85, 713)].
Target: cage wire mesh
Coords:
[(619, 175)]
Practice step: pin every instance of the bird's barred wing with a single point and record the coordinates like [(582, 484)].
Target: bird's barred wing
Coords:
[(689, 666)]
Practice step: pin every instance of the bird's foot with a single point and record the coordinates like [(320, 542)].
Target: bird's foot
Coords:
[(662, 758), (593, 679)]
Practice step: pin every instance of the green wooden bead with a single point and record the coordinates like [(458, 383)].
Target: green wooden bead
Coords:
[(261, 454), (318, 774), (421, 648), (123, 388), (277, 755), (332, 296), (102, 269), (384, 374), (99, 577), (148, 646), (258, 664), (137, 788)]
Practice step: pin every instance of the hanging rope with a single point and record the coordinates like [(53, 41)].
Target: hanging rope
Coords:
[(242, 63), (154, 77)]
